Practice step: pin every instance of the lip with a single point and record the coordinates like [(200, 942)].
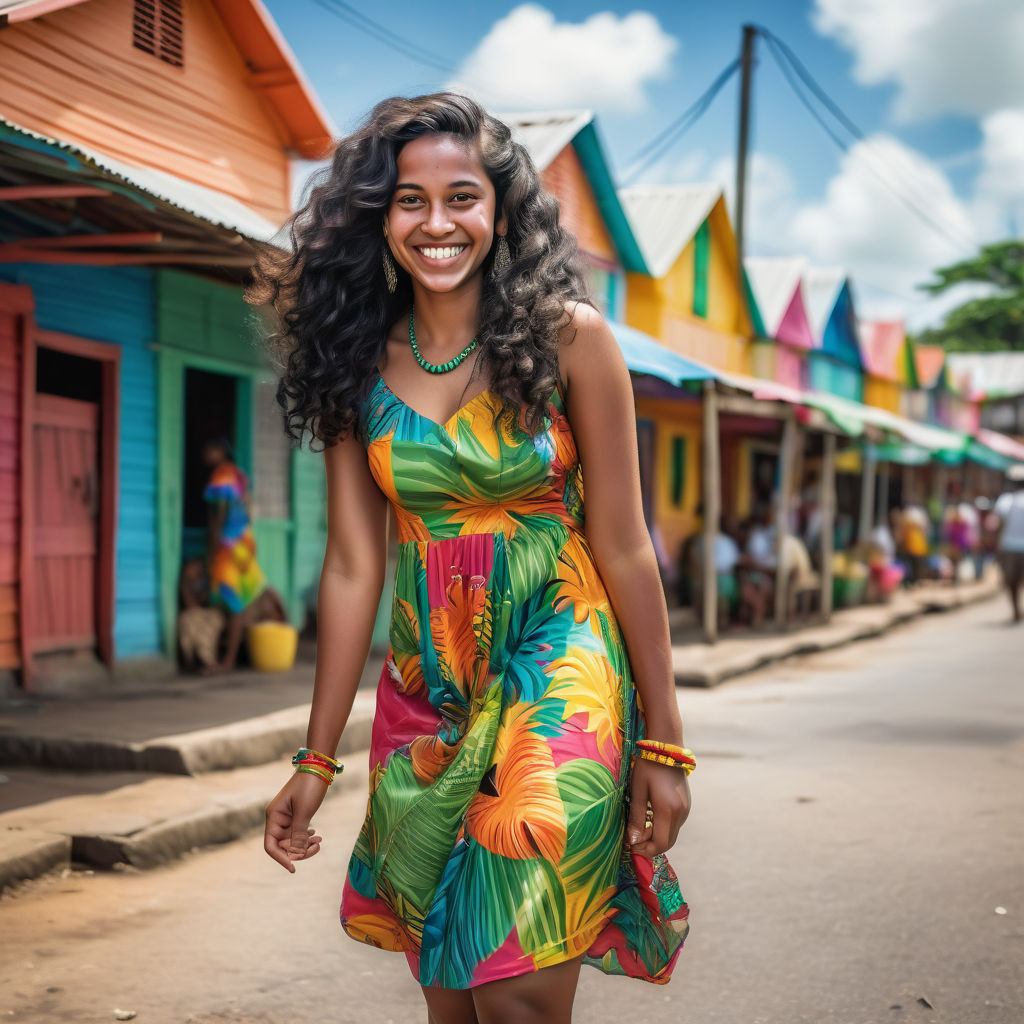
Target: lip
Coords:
[(440, 261)]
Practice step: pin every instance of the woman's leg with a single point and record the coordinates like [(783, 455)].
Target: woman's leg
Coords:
[(449, 1006), (543, 997)]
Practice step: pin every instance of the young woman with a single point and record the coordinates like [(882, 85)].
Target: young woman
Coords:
[(438, 342)]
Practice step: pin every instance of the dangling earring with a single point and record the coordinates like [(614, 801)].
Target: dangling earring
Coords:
[(390, 273), (502, 257)]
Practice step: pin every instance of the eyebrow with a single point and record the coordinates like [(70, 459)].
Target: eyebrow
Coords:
[(454, 184)]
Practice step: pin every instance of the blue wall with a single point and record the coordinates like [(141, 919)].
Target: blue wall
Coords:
[(116, 305)]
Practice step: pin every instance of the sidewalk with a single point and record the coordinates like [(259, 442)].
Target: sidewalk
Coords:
[(140, 775)]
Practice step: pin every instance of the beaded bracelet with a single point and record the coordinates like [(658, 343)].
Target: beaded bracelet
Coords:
[(315, 763), (667, 759), (682, 754)]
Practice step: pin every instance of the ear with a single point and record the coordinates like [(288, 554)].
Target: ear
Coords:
[(501, 225)]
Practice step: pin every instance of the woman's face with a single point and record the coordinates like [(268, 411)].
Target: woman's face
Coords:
[(442, 215)]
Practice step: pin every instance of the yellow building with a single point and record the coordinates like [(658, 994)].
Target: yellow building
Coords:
[(694, 303)]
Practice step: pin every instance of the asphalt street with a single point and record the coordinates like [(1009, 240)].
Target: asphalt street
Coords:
[(855, 855)]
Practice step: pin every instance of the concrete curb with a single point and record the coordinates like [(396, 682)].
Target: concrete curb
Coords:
[(691, 661), (251, 741), (146, 824)]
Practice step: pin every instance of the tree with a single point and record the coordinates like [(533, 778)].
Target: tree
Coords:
[(992, 322)]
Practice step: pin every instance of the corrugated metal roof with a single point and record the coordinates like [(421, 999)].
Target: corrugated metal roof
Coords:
[(988, 374), (546, 133), (666, 217), (201, 202), (774, 282), (822, 286)]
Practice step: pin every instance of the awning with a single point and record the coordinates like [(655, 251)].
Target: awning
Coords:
[(144, 184), (645, 355)]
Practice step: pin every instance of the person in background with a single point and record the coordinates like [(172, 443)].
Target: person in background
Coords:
[(237, 582), (726, 555), (914, 541), (1010, 509), (199, 626)]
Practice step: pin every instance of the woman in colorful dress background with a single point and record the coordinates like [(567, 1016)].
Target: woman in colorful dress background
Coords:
[(527, 772), (236, 581)]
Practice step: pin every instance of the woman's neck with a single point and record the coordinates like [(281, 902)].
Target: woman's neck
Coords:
[(447, 320)]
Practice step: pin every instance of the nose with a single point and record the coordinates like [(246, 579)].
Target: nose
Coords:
[(439, 221)]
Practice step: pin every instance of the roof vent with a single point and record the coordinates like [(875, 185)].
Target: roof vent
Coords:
[(157, 28)]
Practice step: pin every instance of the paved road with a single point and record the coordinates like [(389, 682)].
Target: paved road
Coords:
[(858, 820)]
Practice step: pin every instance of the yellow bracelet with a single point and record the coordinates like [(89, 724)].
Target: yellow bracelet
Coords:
[(650, 755)]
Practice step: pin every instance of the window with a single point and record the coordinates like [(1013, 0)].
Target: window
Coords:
[(701, 258), (157, 29), (677, 470)]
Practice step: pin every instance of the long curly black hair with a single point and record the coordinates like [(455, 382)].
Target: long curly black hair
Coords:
[(330, 303)]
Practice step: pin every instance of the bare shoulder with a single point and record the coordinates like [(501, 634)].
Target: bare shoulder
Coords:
[(587, 344)]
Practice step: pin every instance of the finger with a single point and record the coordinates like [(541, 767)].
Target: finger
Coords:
[(272, 845), (636, 825)]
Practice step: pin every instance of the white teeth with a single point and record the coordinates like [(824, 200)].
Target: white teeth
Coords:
[(442, 253)]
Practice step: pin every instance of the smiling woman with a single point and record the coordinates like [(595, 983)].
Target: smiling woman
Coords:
[(526, 768)]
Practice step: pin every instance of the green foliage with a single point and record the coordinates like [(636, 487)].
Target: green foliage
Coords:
[(988, 323)]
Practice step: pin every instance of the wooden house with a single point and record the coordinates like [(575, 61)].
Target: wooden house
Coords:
[(129, 199), (783, 335), (693, 302), (567, 151), (888, 361), (834, 364)]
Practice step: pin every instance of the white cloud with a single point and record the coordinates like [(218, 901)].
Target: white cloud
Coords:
[(999, 188), (528, 59), (770, 200), (945, 56), (888, 248)]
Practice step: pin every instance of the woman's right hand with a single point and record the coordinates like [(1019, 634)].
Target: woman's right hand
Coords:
[(288, 836)]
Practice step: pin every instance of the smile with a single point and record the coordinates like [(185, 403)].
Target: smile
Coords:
[(445, 252)]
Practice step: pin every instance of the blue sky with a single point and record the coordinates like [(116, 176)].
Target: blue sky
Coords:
[(938, 90)]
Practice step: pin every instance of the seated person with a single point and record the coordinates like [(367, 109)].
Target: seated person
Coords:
[(199, 627), (726, 556)]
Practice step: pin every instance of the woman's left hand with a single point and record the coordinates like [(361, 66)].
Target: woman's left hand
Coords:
[(668, 791)]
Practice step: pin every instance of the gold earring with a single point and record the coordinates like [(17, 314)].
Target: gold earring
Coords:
[(502, 257)]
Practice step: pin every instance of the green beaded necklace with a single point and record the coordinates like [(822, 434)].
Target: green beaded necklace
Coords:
[(426, 364)]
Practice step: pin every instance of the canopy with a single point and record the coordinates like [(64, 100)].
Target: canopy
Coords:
[(645, 355)]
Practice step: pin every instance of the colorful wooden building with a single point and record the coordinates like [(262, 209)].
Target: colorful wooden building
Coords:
[(567, 151), (888, 362), (834, 364), (128, 203), (783, 335)]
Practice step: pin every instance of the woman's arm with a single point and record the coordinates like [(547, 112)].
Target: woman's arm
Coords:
[(350, 589), (601, 411)]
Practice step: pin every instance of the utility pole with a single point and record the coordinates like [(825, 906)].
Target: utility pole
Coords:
[(746, 81)]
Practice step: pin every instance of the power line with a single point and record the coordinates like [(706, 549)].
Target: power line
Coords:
[(792, 69), (665, 139), (384, 35)]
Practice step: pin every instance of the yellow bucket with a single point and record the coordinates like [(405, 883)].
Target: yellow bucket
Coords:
[(272, 646)]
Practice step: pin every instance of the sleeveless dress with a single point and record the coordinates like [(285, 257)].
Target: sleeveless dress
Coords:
[(494, 840)]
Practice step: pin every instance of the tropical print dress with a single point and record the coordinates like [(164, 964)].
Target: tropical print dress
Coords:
[(494, 839), (236, 579)]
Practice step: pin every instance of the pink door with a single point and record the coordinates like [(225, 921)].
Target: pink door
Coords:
[(66, 516)]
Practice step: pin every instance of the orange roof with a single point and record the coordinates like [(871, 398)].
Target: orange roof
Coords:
[(929, 361), (274, 72)]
